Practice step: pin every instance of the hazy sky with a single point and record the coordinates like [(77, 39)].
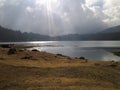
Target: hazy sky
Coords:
[(57, 17)]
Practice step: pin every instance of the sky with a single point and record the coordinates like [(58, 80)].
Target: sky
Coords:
[(59, 17)]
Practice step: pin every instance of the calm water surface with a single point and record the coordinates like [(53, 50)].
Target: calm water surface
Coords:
[(94, 50)]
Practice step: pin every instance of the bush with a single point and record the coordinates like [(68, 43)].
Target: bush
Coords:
[(82, 58)]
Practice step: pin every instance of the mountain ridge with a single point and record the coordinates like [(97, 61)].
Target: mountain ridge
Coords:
[(111, 29), (8, 35), (112, 33)]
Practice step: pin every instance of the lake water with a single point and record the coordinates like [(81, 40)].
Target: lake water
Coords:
[(93, 50)]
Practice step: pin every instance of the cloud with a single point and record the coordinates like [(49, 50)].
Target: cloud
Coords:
[(106, 10), (112, 11), (58, 17), (93, 3)]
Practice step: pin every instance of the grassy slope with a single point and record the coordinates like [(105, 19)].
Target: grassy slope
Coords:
[(116, 53), (45, 71)]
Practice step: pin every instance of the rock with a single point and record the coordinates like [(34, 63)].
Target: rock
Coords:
[(82, 58), (12, 51), (27, 57), (35, 50), (59, 54), (21, 50)]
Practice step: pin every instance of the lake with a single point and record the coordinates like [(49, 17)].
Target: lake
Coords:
[(92, 50)]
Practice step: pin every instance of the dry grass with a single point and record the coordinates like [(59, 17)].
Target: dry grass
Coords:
[(45, 71)]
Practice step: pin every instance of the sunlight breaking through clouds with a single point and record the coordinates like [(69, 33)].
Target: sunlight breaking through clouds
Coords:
[(58, 17), (48, 4)]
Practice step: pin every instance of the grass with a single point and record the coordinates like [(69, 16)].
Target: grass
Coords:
[(46, 71), (117, 53)]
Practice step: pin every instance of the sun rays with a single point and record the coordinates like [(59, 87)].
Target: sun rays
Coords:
[(50, 6)]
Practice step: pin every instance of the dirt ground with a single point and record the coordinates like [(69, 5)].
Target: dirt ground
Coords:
[(34, 70)]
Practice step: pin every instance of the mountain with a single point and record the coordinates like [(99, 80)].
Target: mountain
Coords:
[(8, 35), (112, 33), (115, 29)]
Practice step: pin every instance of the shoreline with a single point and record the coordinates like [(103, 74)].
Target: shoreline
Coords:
[(35, 70)]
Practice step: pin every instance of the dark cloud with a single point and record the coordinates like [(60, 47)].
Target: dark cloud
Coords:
[(53, 18)]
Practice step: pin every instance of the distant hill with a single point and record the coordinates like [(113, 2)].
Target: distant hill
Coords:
[(8, 35), (107, 34), (112, 33), (115, 29)]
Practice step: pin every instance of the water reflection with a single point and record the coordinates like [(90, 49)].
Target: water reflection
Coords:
[(94, 50), (89, 53)]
